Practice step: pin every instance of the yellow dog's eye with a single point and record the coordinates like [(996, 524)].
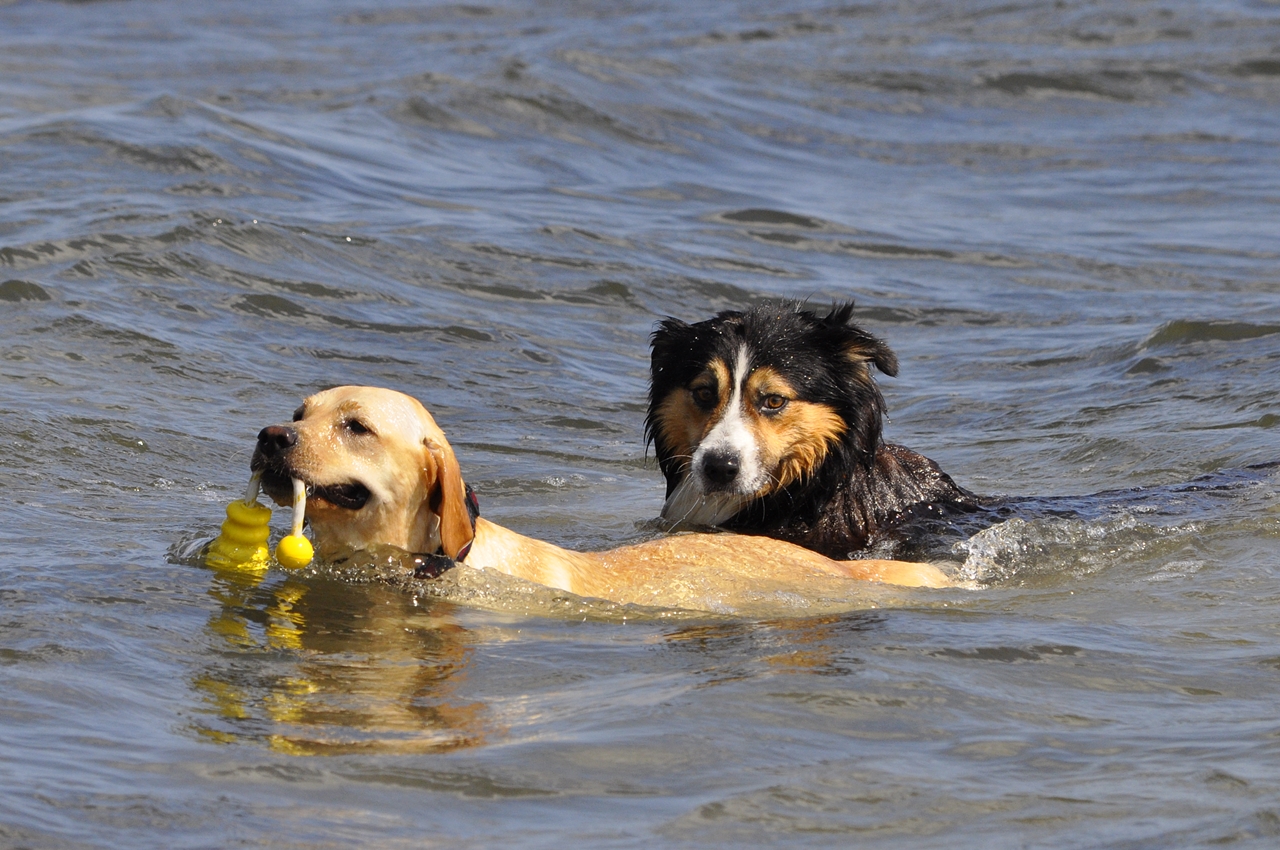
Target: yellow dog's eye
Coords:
[(355, 426), (704, 396), (298, 414), (773, 403)]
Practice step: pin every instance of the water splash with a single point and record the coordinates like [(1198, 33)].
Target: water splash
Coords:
[(1077, 536), (1020, 549)]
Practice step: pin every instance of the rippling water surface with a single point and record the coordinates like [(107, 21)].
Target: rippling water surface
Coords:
[(1062, 216)]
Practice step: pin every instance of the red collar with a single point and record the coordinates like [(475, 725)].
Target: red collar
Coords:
[(437, 564)]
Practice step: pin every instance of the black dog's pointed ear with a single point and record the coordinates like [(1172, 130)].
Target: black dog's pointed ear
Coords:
[(859, 345), (670, 332), (871, 349)]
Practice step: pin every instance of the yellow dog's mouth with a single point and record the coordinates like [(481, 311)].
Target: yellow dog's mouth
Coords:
[(278, 484)]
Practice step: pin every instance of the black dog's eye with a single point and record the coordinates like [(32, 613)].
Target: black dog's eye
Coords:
[(704, 397), (773, 403), (355, 426), (297, 414)]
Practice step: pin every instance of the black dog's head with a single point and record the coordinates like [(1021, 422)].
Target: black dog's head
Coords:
[(748, 403)]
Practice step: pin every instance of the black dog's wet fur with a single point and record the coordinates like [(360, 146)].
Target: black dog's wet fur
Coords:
[(866, 491)]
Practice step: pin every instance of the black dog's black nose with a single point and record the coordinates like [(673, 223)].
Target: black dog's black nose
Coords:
[(720, 467), (274, 439)]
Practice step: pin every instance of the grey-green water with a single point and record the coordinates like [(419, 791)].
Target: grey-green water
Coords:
[(1063, 217)]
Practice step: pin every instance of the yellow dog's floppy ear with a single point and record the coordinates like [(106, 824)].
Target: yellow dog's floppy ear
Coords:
[(447, 499)]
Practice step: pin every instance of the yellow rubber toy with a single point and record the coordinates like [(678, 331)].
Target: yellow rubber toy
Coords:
[(243, 541), (242, 545), (295, 551)]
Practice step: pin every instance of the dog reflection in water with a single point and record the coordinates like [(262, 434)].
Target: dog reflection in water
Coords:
[(326, 667)]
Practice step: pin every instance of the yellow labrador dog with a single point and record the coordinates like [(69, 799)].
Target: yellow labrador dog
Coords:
[(378, 470)]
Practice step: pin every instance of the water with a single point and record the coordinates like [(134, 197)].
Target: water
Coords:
[(1063, 218)]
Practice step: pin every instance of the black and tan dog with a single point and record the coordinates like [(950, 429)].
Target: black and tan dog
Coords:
[(768, 421), (378, 470)]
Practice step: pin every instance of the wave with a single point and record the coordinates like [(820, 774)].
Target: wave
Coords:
[(1187, 331)]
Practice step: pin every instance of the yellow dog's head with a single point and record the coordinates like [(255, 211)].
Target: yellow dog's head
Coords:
[(377, 470)]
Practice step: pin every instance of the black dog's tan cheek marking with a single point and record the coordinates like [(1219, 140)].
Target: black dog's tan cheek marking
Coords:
[(803, 434), (680, 423), (795, 439)]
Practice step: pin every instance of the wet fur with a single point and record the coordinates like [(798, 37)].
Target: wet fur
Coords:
[(385, 447), (826, 479)]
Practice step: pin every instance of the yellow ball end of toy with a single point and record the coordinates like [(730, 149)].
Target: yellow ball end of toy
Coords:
[(294, 551)]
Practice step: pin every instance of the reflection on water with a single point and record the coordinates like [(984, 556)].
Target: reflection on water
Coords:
[(322, 667), (812, 646)]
